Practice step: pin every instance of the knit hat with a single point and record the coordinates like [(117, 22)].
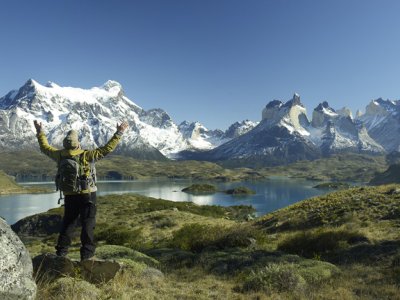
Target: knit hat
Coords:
[(71, 142)]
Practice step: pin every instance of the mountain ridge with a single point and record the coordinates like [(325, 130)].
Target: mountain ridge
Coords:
[(283, 135), (94, 112)]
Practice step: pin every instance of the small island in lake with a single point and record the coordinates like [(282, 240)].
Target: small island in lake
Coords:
[(203, 188), (240, 190), (332, 185)]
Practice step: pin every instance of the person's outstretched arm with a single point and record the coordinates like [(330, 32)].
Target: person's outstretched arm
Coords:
[(99, 153), (43, 143)]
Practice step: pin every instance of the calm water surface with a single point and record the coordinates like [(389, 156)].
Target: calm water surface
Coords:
[(271, 194)]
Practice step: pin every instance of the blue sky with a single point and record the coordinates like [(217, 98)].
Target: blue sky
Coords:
[(212, 61)]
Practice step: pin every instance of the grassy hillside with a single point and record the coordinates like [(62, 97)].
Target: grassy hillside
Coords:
[(9, 186), (340, 167), (24, 164), (391, 175), (344, 245), (343, 167)]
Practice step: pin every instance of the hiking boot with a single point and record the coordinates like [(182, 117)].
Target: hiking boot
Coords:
[(88, 257)]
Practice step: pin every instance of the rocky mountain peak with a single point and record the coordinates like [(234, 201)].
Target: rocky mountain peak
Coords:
[(323, 114), (323, 105), (240, 128), (51, 84), (359, 113), (274, 104), (111, 84), (345, 112), (271, 109), (30, 87), (156, 117), (294, 101), (379, 107), (296, 98)]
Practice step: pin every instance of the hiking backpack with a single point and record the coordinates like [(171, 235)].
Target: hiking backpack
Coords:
[(71, 177)]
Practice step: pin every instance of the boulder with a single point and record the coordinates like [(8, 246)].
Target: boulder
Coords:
[(15, 266), (97, 271), (41, 224), (109, 261), (51, 267), (152, 274)]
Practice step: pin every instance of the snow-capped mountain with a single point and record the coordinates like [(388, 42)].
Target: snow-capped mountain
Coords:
[(94, 113), (239, 128), (285, 134), (382, 121), (336, 131), (199, 137), (280, 137)]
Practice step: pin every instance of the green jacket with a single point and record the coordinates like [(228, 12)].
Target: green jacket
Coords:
[(87, 157)]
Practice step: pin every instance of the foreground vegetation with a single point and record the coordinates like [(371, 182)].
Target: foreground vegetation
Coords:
[(344, 245)]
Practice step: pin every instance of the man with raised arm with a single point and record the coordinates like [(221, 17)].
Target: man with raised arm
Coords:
[(76, 179)]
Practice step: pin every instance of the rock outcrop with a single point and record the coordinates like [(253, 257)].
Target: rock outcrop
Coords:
[(110, 260), (15, 266), (51, 267)]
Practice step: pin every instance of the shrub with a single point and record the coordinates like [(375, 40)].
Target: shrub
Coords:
[(194, 237), (124, 254), (314, 243), (71, 288), (117, 235), (274, 277), (197, 237), (164, 222)]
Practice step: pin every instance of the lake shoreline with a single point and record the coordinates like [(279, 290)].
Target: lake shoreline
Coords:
[(270, 194)]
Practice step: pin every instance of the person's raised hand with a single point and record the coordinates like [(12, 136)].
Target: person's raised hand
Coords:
[(122, 127), (38, 126)]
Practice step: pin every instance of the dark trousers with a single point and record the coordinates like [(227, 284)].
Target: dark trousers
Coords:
[(83, 207)]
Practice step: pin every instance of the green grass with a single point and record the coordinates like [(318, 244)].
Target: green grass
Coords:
[(9, 186), (316, 243), (199, 237), (391, 175), (7, 183), (339, 167), (343, 245), (35, 165)]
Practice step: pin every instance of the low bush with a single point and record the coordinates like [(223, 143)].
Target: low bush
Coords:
[(164, 222), (314, 243), (117, 235), (274, 278), (197, 237)]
